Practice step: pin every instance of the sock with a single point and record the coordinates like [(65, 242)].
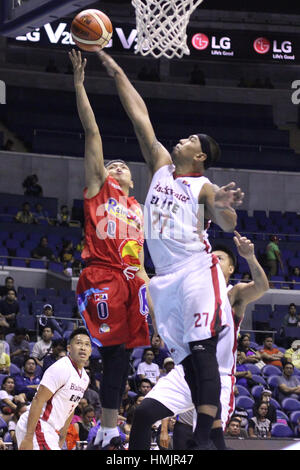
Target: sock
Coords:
[(99, 436), (108, 434), (217, 436), (203, 428)]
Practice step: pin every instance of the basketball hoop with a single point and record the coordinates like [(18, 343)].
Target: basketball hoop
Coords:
[(161, 26)]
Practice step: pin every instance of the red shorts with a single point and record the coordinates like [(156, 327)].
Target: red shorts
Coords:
[(114, 309)]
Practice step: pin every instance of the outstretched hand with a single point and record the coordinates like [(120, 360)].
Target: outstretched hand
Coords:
[(227, 197), (244, 246), (78, 66), (108, 62)]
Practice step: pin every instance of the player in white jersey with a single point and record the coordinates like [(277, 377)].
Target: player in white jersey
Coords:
[(44, 426), (171, 395), (189, 289)]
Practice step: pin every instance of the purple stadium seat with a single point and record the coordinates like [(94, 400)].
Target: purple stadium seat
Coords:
[(281, 430), (253, 369), (269, 370), (294, 416), (243, 391), (244, 402), (259, 379), (256, 390), (290, 404)]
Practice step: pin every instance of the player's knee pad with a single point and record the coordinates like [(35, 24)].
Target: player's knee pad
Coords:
[(206, 371)]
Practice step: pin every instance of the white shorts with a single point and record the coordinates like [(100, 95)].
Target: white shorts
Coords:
[(44, 438), (188, 304), (173, 392)]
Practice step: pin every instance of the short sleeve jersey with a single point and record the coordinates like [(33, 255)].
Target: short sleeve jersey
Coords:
[(113, 227), (68, 385)]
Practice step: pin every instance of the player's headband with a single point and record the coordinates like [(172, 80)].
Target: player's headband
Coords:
[(117, 160)]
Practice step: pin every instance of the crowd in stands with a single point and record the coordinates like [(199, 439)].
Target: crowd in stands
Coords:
[(267, 389)]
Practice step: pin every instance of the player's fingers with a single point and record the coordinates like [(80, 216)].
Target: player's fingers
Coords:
[(237, 234), (228, 186), (236, 241)]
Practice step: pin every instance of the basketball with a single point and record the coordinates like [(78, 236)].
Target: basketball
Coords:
[(91, 30)]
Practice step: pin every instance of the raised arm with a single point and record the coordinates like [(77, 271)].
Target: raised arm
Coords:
[(154, 153), (244, 293), (95, 172), (219, 204)]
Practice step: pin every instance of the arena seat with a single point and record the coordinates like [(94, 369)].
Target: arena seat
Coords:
[(281, 430)]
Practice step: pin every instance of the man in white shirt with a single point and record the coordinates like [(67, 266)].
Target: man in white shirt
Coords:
[(42, 347), (44, 426), (148, 369)]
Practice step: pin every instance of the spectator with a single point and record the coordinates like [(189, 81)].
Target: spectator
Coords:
[(9, 309), (295, 277), (234, 428), (127, 400), (58, 346), (147, 368), (8, 395), (273, 256), (242, 374), (160, 351), (31, 186), (269, 354), (241, 412), (246, 277), (28, 381), (144, 387), (8, 146), (265, 398), (67, 252), (43, 251), (57, 325), (92, 396), (5, 417), (288, 384), (77, 267), (291, 318), (80, 245), (197, 76), (20, 409), (42, 347), (40, 215), (25, 216), (88, 421), (168, 366), (293, 354), (9, 285), (260, 426), (63, 217), (248, 355), (5, 343), (4, 359), (19, 347)]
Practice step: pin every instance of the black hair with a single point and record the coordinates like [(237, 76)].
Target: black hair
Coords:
[(6, 379), (58, 342), (211, 148), (28, 358), (146, 380), (146, 350), (79, 331), (228, 251)]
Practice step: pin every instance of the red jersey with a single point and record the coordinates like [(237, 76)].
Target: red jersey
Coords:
[(113, 227)]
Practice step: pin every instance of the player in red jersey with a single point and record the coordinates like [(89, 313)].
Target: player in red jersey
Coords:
[(111, 290)]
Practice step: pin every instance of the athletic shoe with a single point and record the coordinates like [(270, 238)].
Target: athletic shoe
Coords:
[(115, 444)]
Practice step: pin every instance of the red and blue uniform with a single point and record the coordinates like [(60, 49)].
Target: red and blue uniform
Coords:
[(111, 298)]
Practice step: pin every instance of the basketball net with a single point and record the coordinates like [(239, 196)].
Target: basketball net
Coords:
[(161, 26)]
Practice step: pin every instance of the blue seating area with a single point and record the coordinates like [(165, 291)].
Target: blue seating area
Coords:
[(246, 133), (288, 412)]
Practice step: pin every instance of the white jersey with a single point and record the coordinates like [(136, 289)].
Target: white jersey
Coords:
[(227, 341), (68, 385), (174, 220)]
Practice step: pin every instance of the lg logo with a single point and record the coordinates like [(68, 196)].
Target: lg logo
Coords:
[(2, 92), (263, 45), (200, 42)]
